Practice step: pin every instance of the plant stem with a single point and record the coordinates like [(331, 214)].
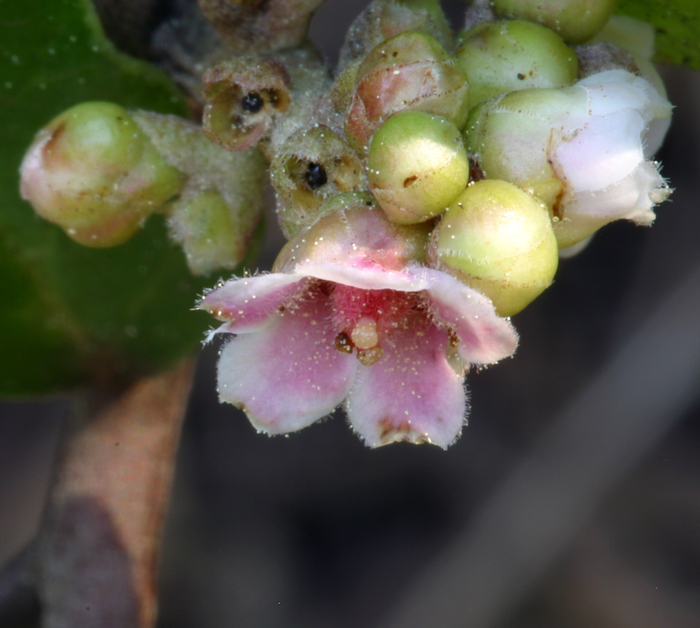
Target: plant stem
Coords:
[(100, 539)]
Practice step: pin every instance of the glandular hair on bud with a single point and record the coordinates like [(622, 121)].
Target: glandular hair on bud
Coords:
[(94, 173), (575, 20), (417, 165), (578, 149), (499, 240), (510, 55)]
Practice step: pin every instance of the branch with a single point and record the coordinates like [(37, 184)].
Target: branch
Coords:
[(99, 544)]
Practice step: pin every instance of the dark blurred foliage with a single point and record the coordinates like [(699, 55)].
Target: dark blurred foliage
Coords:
[(316, 530)]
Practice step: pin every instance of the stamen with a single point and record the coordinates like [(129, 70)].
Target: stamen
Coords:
[(368, 357), (343, 343), (365, 336)]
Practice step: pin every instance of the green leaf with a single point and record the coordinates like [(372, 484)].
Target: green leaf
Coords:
[(677, 24), (71, 315)]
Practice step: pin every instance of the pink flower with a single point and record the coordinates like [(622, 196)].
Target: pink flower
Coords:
[(350, 317)]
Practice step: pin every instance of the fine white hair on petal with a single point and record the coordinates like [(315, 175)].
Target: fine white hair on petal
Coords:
[(602, 163), (366, 277), (633, 197), (654, 135), (484, 337)]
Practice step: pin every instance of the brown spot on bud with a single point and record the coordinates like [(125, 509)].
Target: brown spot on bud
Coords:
[(475, 171), (55, 137)]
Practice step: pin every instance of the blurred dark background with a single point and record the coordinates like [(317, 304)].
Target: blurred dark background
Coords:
[(315, 530)]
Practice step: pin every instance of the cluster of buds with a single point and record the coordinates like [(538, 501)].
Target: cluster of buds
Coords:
[(99, 171), (426, 193)]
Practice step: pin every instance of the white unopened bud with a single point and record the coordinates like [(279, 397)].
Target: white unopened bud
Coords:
[(579, 149)]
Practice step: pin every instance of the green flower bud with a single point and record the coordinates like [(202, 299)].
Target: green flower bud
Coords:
[(417, 165), (579, 149), (575, 20), (311, 167), (411, 71), (217, 215), (432, 17), (95, 174), (509, 138), (244, 95), (202, 223), (499, 240), (510, 55)]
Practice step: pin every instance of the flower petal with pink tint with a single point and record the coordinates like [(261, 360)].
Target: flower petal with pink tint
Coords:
[(246, 304), (365, 275), (485, 337), (411, 394), (287, 374)]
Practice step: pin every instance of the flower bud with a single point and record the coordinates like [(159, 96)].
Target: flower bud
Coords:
[(411, 71), (417, 165), (217, 215), (384, 19), (575, 20), (509, 138), (355, 231), (499, 240), (578, 149), (204, 224), (94, 173), (510, 55), (310, 167), (243, 95)]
